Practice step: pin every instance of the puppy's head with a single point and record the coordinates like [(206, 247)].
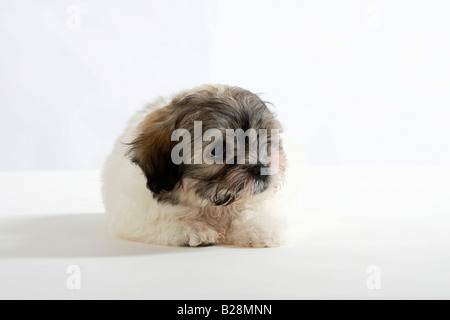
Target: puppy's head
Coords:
[(206, 148)]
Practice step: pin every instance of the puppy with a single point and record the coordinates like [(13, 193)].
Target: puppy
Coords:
[(177, 176)]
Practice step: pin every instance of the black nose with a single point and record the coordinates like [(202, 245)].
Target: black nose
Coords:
[(255, 169)]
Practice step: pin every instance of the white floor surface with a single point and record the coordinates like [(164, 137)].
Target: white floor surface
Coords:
[(396, 219)]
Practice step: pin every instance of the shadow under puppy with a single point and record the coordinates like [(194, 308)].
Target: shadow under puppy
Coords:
[(157, 188)]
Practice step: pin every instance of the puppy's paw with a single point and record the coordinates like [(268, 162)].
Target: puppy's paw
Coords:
[(256, 238), (199, 234), (262, 242)]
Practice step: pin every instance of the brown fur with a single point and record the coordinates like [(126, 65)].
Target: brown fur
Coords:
[(220, 108)]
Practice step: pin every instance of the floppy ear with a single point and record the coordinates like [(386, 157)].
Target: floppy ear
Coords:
[(151, 151)]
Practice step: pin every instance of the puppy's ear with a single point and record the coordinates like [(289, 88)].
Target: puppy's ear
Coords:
[(151, 151)]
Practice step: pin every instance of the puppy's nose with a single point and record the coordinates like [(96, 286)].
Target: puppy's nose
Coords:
[(255, 169)]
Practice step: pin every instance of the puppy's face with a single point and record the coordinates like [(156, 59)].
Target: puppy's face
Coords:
[(225, 133)]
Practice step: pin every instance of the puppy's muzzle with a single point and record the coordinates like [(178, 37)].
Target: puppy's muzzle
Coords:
[(256, 171)]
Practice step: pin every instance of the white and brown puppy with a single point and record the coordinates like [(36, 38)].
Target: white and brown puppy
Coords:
[(151, 198)]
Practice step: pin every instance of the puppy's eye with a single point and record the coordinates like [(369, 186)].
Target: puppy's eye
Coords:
[(216, 152)]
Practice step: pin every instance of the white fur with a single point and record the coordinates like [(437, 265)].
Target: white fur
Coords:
[(134, 214)]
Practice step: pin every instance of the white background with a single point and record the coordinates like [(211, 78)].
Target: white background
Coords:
[(355, 82), (363, 86)]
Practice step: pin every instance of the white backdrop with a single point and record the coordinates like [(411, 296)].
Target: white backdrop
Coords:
[(355, 82)]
